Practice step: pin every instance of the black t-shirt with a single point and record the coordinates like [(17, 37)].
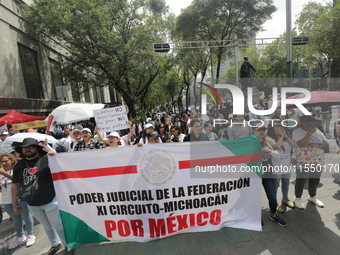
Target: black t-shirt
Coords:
[(26, 171)]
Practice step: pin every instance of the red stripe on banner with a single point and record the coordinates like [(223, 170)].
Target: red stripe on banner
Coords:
[(119, 170), (220, 161)]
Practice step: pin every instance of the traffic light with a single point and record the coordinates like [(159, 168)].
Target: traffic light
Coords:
[(161, 47), (300, 40)]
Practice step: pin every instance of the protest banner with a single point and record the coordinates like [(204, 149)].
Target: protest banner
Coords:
[(146, 193), (111, 119)]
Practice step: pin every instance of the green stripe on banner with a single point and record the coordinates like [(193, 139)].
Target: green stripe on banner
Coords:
[(245, 146), (78, 231), (186, 243)]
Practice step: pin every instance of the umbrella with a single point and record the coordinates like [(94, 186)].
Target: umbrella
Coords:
[(320, 97), (74, 112), (19, 137)]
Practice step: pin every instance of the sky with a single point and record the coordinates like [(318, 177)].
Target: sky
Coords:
[(273, 28)]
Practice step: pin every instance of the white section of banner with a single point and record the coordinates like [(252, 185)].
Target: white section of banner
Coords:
[(167, 200)]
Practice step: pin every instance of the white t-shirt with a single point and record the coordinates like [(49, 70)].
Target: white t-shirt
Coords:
[(180, 138), (5, 184), (283, 161)]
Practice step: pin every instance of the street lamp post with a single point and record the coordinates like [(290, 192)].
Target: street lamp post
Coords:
[(289, 41)]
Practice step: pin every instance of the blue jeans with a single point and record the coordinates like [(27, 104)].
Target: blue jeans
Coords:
[(269, 187), (48, 215), (17, 219), (284, 184), (1, 216)]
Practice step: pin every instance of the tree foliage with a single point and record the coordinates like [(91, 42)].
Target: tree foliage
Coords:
[(222, 20), (322, 24), (108, 39), (317, 21)]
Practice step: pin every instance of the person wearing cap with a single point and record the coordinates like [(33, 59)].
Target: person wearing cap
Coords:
[(114, 139), (268, 179), (4, 135), (195, 132), (43, 206), (87, 143), (147, 129), (74, 138), (7, 162), (152, 136), (310, 151)]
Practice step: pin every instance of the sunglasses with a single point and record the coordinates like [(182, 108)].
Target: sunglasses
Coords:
[(77, 133)]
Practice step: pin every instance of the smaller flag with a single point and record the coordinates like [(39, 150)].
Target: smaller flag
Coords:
[(51, 122)]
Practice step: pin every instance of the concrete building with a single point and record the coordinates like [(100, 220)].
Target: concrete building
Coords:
[(30, 70)]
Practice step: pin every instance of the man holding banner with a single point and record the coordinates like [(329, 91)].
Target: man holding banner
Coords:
[(87, 143), (43, 204)]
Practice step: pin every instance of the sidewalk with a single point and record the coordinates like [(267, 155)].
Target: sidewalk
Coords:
[(310, 231)]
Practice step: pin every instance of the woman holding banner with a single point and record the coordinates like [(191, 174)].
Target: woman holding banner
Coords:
[(7, 162), (114, 139)]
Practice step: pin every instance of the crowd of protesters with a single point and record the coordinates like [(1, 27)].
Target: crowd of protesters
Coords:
[(280, 145)]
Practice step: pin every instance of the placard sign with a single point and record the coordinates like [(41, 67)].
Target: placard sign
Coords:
[(111, 119)]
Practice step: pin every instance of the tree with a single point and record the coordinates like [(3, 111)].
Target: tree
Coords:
[(326, 39), (108, 39), (222, 20), (322, 24)]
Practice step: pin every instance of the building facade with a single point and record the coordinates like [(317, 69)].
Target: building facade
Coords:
[(31, 70)]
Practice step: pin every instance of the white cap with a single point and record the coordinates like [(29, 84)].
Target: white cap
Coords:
[(86, 129), (148, 126), (114, 134)]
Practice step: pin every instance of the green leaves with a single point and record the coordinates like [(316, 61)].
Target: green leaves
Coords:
[(222, 20), (106, 42)]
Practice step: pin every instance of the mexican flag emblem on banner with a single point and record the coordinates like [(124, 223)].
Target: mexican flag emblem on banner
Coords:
[(158, 190)]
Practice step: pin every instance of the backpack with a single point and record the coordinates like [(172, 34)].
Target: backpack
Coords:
[(244, 68), (61, 147)]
